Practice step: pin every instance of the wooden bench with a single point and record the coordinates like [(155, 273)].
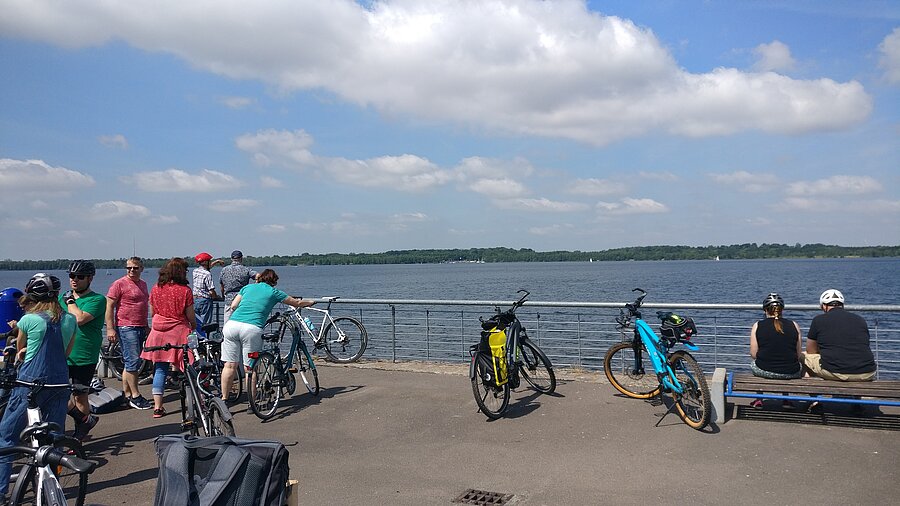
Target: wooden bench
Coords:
[(745, 385)]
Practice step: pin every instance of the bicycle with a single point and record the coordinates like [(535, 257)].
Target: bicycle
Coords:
[(505, 353), (675, 372), (210, 350), (42, 478), (201, 410), (344, 338), (272, 373), (112, 355)]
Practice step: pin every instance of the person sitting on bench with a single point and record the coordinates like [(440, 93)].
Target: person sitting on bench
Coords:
[(775, 345)]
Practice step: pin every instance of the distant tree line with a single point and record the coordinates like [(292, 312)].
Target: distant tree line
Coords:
[(433, 256)]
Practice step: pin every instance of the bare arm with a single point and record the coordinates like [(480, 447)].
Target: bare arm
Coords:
[(298, 302), (754, 346), (812, 346), (236, 302), (799, 338), (111, 331)]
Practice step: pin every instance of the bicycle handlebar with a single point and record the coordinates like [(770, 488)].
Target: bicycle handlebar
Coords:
[(52, 456), (624, 320), (167, 347)]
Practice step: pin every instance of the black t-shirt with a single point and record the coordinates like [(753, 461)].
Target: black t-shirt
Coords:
[(843, 339), (777, 352)]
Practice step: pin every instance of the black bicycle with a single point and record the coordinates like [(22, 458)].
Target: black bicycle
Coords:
[(201, 410), (272, 372), (504, 354), (210, 351), (111, 353)]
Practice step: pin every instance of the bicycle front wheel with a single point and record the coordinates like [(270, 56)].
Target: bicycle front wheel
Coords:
[(307, 370), (264, 386), (115, 361), (491, 399), (74, 484), (694, 404), (626, 375), (219, 424), (536, 368), (345, 340)]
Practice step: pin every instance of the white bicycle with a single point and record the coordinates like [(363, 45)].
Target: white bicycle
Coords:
[(344, 339)]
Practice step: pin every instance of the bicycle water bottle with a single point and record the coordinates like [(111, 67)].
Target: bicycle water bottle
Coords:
[(192, 340), (309, 324)]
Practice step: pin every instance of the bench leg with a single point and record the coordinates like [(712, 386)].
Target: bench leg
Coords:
[(717, 394)]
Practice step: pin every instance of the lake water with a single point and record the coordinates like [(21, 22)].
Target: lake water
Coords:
[(862, 280)]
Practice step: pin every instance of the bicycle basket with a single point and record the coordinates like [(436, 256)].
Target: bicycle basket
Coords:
[(674, 326)]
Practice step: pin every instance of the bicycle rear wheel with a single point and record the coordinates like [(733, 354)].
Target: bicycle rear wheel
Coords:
[(74, 484), (264, 386), (219, 423), (694, 404), (491, 399), (345, 340), (624, 374), (112, 354), (536, 368), (307, 370)]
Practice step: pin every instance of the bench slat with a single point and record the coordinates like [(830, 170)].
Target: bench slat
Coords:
[(889, 389)]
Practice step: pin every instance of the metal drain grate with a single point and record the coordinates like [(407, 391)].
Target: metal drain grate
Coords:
[(482, 497)]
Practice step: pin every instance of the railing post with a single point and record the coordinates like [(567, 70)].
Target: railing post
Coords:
[(462, 332), (427, 336), (715, 341), (876, 348), (393, 333), (578, 336)]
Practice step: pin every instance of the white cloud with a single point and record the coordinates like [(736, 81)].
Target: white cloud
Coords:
[(176, 180), (541, 205), (270, 182), (590, 77), (117, 209), (666, 177), (36, 223), (890, 56), (164, 220), (773, 57), (232, 206), (30, 176), (559, 229), (272, 228), (114, 141), (500, 188), (283, 147), (237, 102), (596, 187), (747, 182), (835, 185), (632, 206)]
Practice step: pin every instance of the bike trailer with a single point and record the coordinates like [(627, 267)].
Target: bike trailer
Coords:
[(219, 471)]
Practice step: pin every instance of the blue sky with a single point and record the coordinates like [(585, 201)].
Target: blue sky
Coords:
[(282, 127)]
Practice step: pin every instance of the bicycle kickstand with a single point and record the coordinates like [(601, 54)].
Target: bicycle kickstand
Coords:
[(664, 415)]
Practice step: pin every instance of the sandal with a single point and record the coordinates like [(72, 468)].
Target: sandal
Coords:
[(756, 404), (159, 413)]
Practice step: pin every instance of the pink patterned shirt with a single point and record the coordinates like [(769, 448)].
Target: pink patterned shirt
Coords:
[(132, 300)]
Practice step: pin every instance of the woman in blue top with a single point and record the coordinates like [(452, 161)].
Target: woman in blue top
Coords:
[(45, 338), (242, 333)]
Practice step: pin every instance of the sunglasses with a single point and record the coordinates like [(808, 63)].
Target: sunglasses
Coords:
[(132, 268), (77, 276)]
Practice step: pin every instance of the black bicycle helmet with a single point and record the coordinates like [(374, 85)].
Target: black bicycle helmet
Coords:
[(83, 267), (43, 287), (773, 299)]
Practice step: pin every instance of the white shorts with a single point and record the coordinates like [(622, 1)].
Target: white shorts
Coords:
[(239, 339)]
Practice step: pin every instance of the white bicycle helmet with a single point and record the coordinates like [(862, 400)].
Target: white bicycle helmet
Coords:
[(831, 296)]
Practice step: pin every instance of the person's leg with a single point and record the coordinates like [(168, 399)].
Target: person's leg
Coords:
[(11, 426), (160, 371), (230, 354), (130, 339)]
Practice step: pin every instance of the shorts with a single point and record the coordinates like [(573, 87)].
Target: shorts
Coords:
[(131, 342), (813, 362), (762, 373), (240, 339), (82, 374)]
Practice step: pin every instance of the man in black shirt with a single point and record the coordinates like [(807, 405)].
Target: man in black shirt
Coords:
[(837, 345)]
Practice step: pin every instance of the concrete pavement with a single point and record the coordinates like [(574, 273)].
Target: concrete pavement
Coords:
[(390, 434)]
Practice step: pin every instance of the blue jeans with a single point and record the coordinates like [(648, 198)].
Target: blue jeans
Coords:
[(131, 341), (160, 371), (53, 404), (203, 308)]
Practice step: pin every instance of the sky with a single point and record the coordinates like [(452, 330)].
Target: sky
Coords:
[(165, 128)]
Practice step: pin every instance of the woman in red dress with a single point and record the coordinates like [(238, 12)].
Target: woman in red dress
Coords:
[(172, 307)]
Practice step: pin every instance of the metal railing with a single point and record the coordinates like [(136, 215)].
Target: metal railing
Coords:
[(577, 334)]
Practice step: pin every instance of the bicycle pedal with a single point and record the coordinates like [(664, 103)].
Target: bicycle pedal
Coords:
[(187, 425), (292, 370)]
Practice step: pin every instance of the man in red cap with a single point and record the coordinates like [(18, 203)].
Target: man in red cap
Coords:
[(204, 289)]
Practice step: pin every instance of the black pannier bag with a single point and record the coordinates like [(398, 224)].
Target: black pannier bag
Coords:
[(220, 471)]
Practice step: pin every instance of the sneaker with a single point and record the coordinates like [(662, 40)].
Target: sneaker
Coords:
[(97, 384), (82, 429), (159, 413), (756, 404), (140, 402), (815, 408)]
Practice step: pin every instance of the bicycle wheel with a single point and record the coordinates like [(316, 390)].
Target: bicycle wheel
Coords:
[(218, 424), (694, 405), (263, 386), (237, 387), (74, 484), (190, 419), (307, 370), (491, 399), (345, 340), (113, 357), (622, 373), (536, 368)]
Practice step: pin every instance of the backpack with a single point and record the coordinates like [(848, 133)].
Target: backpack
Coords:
[(220, 471), (106, 400)]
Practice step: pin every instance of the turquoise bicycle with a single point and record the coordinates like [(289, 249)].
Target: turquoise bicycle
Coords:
[(674, 372)]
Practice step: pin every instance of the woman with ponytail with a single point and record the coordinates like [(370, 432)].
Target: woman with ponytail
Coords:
[(775, 345)]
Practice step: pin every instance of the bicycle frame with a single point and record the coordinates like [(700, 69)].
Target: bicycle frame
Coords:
[(326, 319), (655, 348)]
